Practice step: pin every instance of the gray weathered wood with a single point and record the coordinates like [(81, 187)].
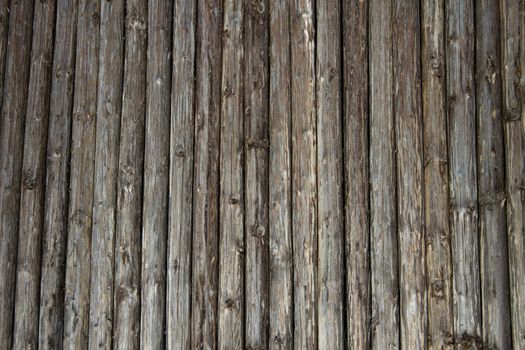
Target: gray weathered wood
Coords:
[(205, 250), (513, 61), (330, 212), (232, 240), (435, 172), (178, 307), (304, 175), (78, 259), (31, 212), (491, 179), (409, 152), (383, 221), (126, 327), (156, 175), (280, 185), (4, 31), (11, 148), (256, 179), (109, 104), (51, 325), (462, 171)]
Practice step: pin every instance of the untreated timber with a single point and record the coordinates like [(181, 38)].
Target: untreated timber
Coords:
[(31, 212), (11, 148), (205, 247), (232, 240), (51, 325), (82, 170), (4, 31), (126, 324), (178, 294), (156, 175)]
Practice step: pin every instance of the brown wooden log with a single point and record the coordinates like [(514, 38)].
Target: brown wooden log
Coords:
[(31, 213), (156, 175), (435, 172), (205, 252), (256, 36), (304, 179), (109, 108), (4, 31), (491, 179), (232, 241), (126, 328), (51, 325), (11, 148), (409, 147), (280, 185), (76, 313), (462, 171), (355, 150), (330, 212), (383, 220), (181, 177), (513, 61)]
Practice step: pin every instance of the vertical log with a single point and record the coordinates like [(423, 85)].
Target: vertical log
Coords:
[(11, 148), (330, 215), (181, 177), (383, 220), (256, 184), (355, 127), (51, 325), (304, 168), (435, 172), (129, 183), (409, 152), (156, 173), (106, 169), (491, 179), (33, 174), (232, 244), (462, 169), (513, 61), (280, 186), (205, 268), (76, 313), (4, 31)]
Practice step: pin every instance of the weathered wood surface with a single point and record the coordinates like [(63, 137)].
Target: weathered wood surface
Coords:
[(265, 174)]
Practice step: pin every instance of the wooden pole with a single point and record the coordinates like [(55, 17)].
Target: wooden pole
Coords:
[(205, 249), (232, 241), (181, 177), (76, 313), (156, 175), (51, 325), (4, 31), (126, 328), (30, 232), (383, 220), (11, 149)]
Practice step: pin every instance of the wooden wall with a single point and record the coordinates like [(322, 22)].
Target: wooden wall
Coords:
[(262, 174)]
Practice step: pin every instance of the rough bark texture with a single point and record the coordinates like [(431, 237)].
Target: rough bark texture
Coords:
[(51, 325), (462, 172), (31, 212), (435, 172), (205, 259), (256, 181), (156, 175), (232, 241), (76, 313), (383, 220), (109, 107), (16, 83), (181, 177), (280, 186), (355, 149), (126, 328), (491, 179)]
